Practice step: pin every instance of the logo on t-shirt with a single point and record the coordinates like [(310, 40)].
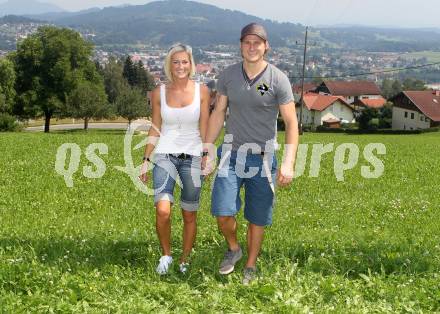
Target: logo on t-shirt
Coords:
[(262, 88)]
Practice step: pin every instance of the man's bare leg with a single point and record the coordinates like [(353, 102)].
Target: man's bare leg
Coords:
[(255, 236), (228, 227)]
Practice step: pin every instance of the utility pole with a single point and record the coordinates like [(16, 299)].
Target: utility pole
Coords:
[(300, 127)]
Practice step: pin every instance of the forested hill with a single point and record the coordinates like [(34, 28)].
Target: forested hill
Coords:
[(165, 22)]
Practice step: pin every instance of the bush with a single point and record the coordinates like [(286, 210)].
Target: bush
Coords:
[(322, 129), (308, 127), (349, 125), (373, 124), (7, 123), (430, 130)]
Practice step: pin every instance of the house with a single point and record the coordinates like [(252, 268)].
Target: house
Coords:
[(203, 68), (375, 103), (434, 86), (352, 91), (413, 110), (308, 87), (325, 110)]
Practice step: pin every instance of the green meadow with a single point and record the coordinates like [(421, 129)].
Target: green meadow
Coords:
[(432, 56), (352, 246)]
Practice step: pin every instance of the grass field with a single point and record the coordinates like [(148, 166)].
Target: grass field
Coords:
[(361, 245), (432, 56)]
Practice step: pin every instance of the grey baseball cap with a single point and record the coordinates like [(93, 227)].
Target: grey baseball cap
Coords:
[(254, 29)]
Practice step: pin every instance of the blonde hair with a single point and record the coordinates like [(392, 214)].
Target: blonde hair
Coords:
[(174, 49)]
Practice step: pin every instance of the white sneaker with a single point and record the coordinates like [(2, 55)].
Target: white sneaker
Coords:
[(183, 267), (164, 264)]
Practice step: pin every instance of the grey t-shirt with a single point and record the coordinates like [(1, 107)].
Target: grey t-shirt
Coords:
[(253, 108)]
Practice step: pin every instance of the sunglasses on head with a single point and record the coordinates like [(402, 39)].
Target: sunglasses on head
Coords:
[(184, 47)]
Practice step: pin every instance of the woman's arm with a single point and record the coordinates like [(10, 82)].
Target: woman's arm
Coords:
[(154, 131)]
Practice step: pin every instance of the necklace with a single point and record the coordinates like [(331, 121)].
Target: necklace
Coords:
[(250, 82)]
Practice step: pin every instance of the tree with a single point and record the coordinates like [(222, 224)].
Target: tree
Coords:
[(88, 100), (131, 104), (368, 119), (386, 116), (144, 80), (387, 88), (413, 84), (49, 65), (129, 71), (114, 80), (137, 76), (396, 88), (7, 82)]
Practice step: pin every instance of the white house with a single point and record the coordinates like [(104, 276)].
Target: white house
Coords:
[(321, 109), (414, 110)]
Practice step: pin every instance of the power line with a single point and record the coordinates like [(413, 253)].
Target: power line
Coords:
[(370, 73)]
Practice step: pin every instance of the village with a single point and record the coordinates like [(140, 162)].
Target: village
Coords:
[(331, 103), (330, 99)]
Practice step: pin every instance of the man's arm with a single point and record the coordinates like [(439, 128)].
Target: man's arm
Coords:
[(285, 173), (216, 119), (215, 124)]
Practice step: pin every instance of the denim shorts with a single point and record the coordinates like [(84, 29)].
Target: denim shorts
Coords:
[(168, 168), (247, 171)]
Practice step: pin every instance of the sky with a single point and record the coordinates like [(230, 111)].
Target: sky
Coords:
[(396, 13)]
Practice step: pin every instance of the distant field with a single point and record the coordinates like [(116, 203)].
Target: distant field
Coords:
[(433, 56), (357, 246)]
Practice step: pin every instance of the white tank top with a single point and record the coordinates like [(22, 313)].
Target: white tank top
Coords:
[(180, 132)]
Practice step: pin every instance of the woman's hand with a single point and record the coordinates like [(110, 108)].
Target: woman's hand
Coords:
[(208, 164), (144, 169)]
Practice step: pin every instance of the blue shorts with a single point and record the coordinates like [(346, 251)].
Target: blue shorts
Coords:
[(169, 167), (247, 170)]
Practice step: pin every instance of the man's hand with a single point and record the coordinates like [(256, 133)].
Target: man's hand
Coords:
[(285, 175)]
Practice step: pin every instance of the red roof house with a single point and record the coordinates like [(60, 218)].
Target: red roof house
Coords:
[(416, 110), (319, 109), (352, 91)]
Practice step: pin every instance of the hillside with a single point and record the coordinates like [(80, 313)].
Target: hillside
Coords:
[(53, 16), (15, 19), (165, 22)]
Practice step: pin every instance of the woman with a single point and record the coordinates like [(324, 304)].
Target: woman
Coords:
[(180, 111)]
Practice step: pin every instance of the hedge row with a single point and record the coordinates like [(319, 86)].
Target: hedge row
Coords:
[(322, 129)]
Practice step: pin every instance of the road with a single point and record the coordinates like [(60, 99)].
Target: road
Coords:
[(122, 126)]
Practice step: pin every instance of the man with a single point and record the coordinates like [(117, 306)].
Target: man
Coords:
[(255, 92)]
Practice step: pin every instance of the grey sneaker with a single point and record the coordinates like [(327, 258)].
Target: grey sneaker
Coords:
[(231, 257), (183, 267), (249, 275)]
